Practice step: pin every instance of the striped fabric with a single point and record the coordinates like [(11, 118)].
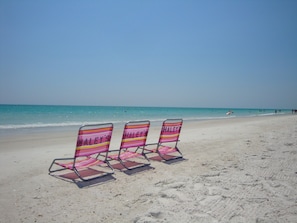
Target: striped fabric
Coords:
[(125, 155), (135, 134), (87, 162), (166, 149), (170, 131), (92, 141)]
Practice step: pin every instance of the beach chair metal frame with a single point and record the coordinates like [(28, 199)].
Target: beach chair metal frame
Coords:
[(168, 140), (132, 144), (91, 150)]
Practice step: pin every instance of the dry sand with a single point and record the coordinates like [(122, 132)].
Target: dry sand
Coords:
[(235, 170)]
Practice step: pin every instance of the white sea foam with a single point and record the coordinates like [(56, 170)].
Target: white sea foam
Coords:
[(46, 125), (34, 116)]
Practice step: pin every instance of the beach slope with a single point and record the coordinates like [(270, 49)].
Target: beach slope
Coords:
[(235, 170)]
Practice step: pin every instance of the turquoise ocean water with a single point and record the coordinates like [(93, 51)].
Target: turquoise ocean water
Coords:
[(47, 116)]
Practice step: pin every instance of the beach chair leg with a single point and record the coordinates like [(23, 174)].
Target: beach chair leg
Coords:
[(54, 163)]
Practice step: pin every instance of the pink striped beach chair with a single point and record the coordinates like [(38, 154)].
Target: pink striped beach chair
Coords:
[(166, 147), (91, 150), (132, 145)]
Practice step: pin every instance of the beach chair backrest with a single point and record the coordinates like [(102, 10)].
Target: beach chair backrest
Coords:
[(135, 134), (93, 139), (170, 130)]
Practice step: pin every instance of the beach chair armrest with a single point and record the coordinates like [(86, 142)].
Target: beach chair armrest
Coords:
[(63, 159), (151, 144), (115, 150)]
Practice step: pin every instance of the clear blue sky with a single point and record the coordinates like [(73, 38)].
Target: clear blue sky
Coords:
[(193, 53)]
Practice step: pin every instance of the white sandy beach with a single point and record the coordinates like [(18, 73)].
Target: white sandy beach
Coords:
[(235, 170)]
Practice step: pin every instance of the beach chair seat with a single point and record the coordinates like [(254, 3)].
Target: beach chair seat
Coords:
[(91, 150), (132, 145), (83, 163), (125, 155), (166, 147)]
